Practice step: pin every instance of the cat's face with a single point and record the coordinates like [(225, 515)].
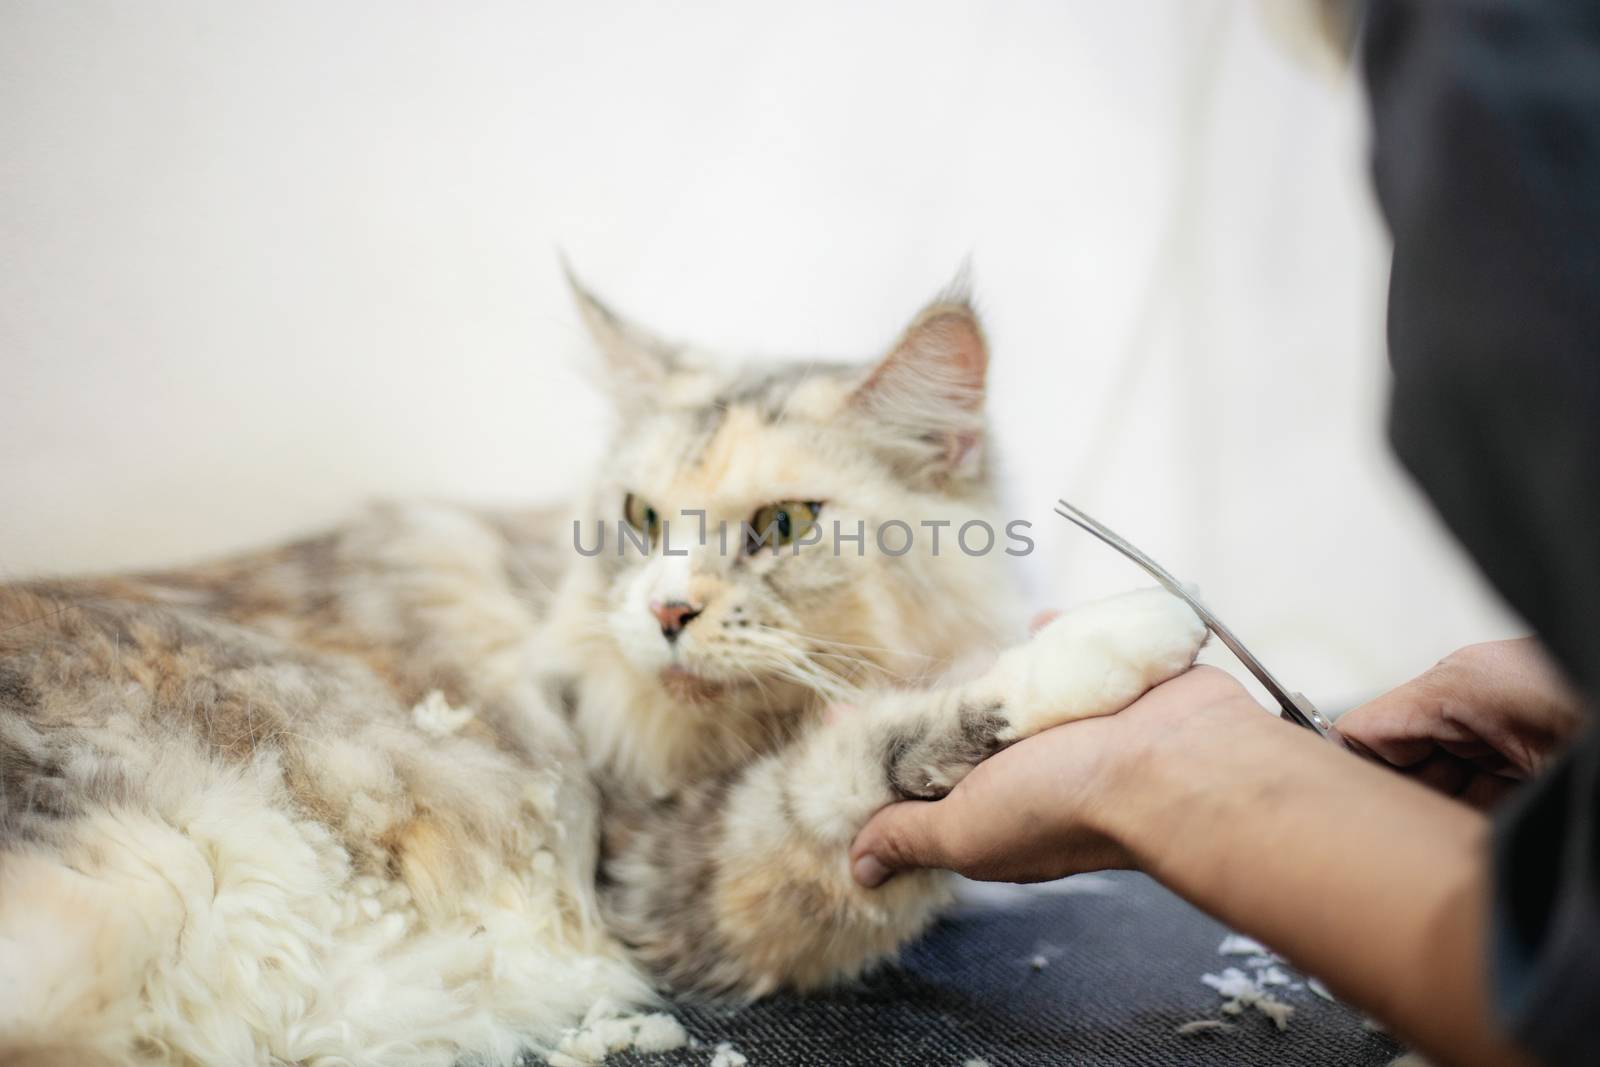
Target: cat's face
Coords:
[(759, 496)]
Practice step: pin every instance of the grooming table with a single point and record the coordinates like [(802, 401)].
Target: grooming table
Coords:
[(1122, 960)]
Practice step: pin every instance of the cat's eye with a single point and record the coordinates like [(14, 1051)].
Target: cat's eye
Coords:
[(780, 524), (641, 516)]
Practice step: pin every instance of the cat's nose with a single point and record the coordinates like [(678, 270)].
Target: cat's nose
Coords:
[(673, 616)]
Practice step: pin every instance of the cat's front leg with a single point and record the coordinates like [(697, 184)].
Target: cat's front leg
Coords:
[(1092, 661), (743, 884)]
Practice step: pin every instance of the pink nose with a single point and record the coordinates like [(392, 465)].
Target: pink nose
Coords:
[(673, 616)]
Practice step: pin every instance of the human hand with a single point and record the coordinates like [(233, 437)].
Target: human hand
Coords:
[(1038, 810), (1475, 724)]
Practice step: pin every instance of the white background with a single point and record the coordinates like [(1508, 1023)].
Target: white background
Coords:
[(264, 261)]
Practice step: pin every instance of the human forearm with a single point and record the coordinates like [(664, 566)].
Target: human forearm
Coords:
[(1368, 880)]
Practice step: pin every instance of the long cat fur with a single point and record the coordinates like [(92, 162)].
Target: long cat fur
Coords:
[(432, 784)]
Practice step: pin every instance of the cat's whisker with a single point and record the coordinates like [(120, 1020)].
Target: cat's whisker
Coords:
[(846, 644), (829, 686), (766, 695), (804, 657), (850, 667)]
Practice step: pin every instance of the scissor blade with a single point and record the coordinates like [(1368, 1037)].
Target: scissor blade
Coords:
[(1296, 708)]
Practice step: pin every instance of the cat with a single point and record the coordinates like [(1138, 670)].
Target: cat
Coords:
[(430, 786)]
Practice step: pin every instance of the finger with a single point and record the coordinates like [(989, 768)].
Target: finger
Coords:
[(1486, 791), (1482, 755), (1350, 742), (901, 837), (1464, 779), (1442, 772), (1397, 727)]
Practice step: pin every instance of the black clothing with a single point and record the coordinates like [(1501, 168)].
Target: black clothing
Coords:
[(1487, 161)]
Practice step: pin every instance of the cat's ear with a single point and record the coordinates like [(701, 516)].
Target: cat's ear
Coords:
[(638, 362), (928, 391)]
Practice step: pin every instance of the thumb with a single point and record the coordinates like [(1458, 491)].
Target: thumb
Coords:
[(900, 837)]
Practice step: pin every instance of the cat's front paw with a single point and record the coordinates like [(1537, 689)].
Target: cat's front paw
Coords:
[(925, 760), (1097, 659), (1147, 626)]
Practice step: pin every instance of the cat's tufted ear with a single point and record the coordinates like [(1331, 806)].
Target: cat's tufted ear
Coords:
[(638, 362), (927, 393)]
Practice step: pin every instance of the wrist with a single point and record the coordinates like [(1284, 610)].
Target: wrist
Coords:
[(1176, 769)]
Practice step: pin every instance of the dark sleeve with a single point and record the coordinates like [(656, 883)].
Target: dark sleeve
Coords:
[(1486, 117)]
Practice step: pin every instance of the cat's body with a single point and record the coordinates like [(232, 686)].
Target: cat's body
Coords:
[(433, 784)]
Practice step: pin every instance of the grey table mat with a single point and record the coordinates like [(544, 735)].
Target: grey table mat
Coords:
[(1123, 960)]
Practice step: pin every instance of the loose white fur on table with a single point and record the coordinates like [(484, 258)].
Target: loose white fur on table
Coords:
[(1203, 1026), (1243, 992), (609, 1027), (1239, 945)]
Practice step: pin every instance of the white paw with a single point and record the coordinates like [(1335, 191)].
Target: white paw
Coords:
[(1148, 625), (1096, 660)]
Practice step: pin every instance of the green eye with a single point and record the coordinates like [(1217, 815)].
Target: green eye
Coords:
[(779, 524), (641, 516)]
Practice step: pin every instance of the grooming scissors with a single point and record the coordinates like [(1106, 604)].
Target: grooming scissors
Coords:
[(1296, 708)]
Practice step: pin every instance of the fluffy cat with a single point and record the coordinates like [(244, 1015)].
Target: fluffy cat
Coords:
[(431, 785)]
